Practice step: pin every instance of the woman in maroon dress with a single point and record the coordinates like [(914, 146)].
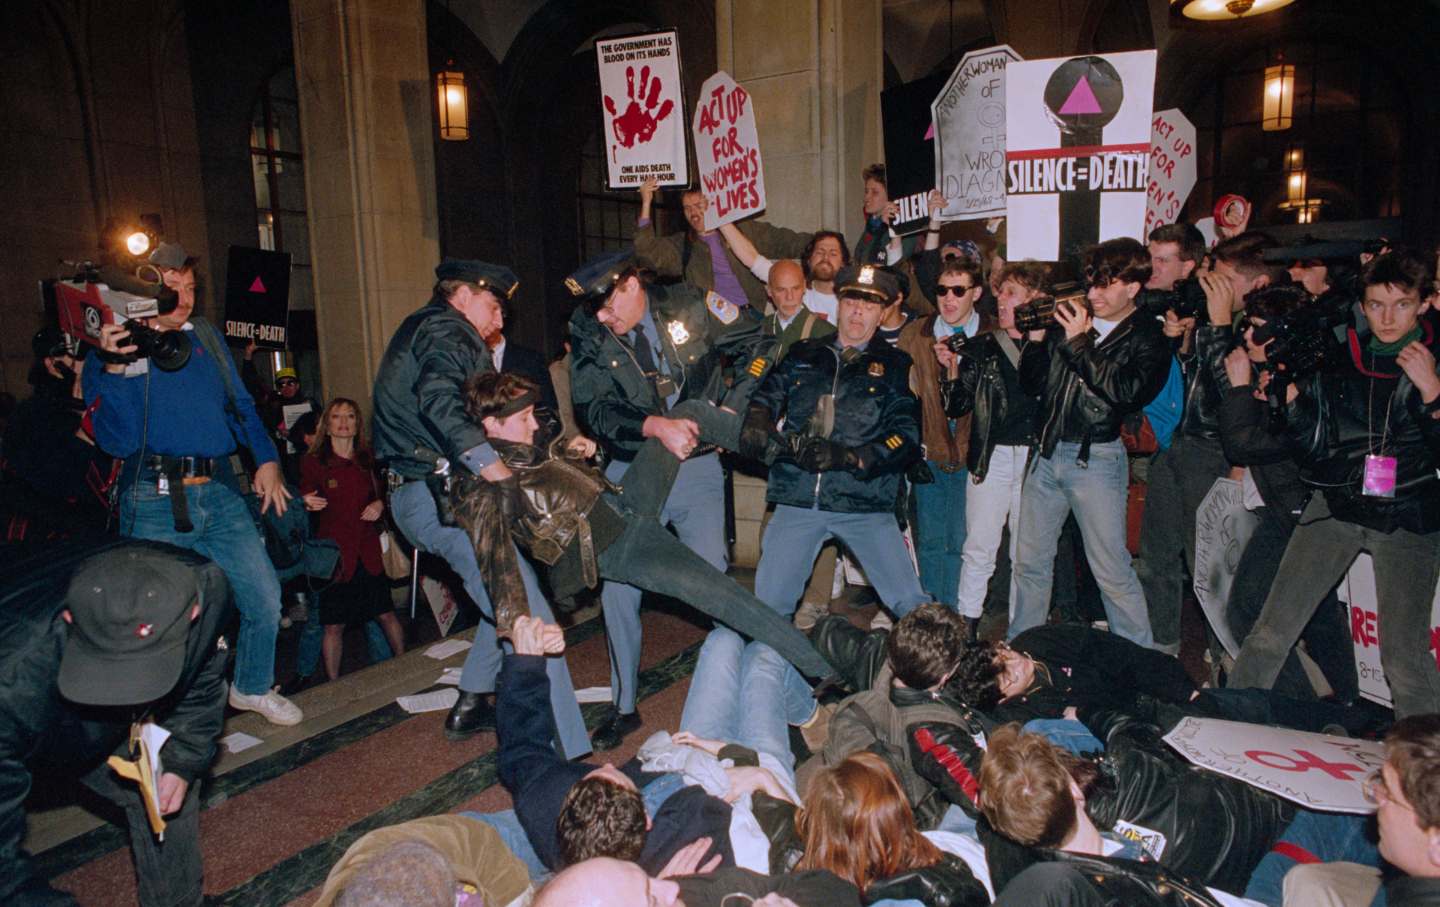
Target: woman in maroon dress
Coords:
[(337, 479)]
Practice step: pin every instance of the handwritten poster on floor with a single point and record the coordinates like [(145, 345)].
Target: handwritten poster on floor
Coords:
[(643, 109), (727, 151)]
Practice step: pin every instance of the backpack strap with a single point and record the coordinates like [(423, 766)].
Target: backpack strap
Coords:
[(1008, 347), (214, 344)]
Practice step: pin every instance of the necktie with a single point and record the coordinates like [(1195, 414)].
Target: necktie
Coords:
[(644, 353)]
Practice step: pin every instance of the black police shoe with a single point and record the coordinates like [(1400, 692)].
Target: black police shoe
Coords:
[(613, 729), (471, 714)]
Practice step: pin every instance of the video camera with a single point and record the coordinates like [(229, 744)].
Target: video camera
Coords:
[(1039, 313), (1186, 299), (93, 297), (1301, 342), (980, 346)]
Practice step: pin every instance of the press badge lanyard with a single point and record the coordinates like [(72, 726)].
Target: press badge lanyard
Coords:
[(1379, 478)]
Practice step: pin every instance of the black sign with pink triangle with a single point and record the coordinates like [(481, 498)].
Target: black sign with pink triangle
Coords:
[(257, 297)]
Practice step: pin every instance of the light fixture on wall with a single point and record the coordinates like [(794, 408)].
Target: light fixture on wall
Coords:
[(1278, 105), (453, 103), (1217, 10), (1297, 186)]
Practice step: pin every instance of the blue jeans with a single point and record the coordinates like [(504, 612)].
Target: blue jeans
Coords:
[(793, 539), (224, 532), (745, 693), (1065, 733), (1330, 837), (507, 824), (1098, 494), (307, 660), (940, 533), (414, 511)]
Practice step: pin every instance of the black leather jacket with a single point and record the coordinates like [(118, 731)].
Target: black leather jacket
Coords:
[(419, 397), (1247, 440), (1413, 891), (1087, 388), (979, 391), (1340, 416), (1118, 881), (1205, 381)]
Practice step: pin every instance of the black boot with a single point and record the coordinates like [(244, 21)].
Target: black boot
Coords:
[(472, 713), (613, 729)]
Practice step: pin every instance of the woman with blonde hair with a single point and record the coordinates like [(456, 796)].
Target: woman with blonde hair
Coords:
[(856, 823)]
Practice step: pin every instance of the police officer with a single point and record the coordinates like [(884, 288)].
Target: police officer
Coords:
[(637, 351), (419, 403), (852, 426)]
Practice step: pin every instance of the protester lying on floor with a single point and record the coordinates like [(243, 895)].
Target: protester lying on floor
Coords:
[(1140, 805), (568, 517)]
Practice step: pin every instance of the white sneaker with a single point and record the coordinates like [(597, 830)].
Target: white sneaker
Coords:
[(273, 707), (808, 613), (881, 621)]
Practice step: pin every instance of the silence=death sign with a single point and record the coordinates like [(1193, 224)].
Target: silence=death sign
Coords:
[(969, 122), (727, 151), (643, 109), (257, 296), (1077, 151)]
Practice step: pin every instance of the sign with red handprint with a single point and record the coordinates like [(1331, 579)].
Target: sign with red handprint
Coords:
[(642, 107)]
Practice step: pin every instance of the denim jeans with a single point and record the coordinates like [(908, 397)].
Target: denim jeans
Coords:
[(1097, 493), (795, 535), (1319, 553), (745, 693), (307, 659), (989, 505), (1329, 837), (1065, 733), (224, 532), (507, 824), (940, 532)]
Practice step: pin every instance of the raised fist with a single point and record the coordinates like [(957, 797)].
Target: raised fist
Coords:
[(637, 123)]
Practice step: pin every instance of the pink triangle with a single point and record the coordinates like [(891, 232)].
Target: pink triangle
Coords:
[(257, 286), (930, 133), (1081, 100)]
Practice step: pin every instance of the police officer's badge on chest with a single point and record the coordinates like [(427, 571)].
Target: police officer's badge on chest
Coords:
[(678, 335)]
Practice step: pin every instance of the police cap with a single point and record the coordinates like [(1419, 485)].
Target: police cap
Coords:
[(597, 276), (498, 279), (867, 282)]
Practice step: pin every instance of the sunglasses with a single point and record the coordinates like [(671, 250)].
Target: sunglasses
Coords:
[(942, 290), (286, 382)]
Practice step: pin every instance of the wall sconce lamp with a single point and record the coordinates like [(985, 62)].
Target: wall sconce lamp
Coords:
[(453, 104)]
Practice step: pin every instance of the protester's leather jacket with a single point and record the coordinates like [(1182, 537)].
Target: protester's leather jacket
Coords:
[(979, 391), (1413, 891), (1340, 416), (1086, 388), (557, 497), (1205, 381), (1248, 441)]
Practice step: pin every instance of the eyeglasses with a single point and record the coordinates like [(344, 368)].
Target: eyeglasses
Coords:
[(1377, 793), (286, 382), (942, 290)]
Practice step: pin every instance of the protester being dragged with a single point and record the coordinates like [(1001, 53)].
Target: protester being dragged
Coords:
[(339, 485)]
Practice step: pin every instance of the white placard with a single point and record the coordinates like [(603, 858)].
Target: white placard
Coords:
[(1222, 530), (1317, 771), (642, 107), (442, 604), (1357, 590), (727, 151), (1077, 137), (1172, 168), (969, 117)]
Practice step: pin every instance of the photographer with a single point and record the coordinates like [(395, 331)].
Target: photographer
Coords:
[(1368, 439), (1273, 481), (176, 427), (1090, 369), (1181, 475)]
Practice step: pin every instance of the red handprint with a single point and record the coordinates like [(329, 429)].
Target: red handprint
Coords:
[(637, 124)]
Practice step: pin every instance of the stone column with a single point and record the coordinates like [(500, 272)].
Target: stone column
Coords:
[(814, 69), (365, 116)]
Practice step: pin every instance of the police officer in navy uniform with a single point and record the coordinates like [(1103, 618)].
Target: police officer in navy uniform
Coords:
[(420, 403), (851, 428), (636, 351)]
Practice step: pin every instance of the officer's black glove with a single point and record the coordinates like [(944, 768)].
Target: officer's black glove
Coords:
[(824, 455), (758, 438)]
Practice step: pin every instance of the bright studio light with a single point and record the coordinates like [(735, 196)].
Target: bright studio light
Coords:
[(137, 243)]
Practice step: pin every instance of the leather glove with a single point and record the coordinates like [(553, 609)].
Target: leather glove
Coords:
[(759, 440), (823, 455)]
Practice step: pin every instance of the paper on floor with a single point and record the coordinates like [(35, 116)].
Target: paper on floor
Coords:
[(239, 743), (593, 694), (450, 675), (447, 648), (440, 700)]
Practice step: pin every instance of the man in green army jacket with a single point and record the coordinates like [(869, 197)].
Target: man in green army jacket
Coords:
[(791, 321), (637, 350)]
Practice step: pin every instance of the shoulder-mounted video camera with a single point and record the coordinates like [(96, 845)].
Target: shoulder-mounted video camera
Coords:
[(1039, 313), (93, 297), (1186, 299)]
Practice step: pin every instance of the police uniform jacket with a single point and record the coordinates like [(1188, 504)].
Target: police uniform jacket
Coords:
[(612, 394), (419, 398), (875, 413)]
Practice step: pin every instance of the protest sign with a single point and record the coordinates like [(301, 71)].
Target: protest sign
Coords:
[(727, 151), (969, 118), (643, 109), (909, 156), (1317, 771), (1357, 590), (1172, 168), (257, 296), (442, 603), (1077, 140), (1222, 530)]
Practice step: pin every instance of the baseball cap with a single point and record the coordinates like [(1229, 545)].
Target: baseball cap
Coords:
[(131, 617), (170, 256)]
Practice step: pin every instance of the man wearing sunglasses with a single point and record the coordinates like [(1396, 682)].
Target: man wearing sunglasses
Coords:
[(1093, 366), (940, 503)]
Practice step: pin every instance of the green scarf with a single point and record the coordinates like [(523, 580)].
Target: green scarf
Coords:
[(1376, 347)]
